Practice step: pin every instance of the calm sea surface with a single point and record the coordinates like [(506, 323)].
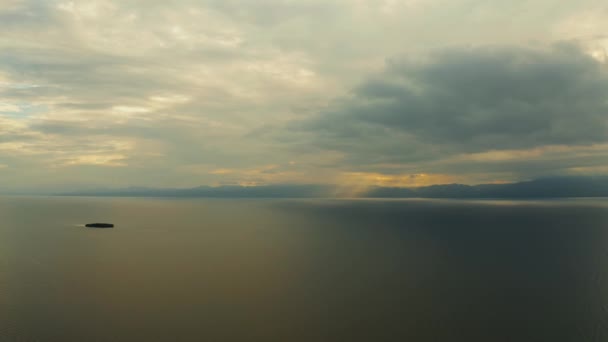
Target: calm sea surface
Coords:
[(303, 270)]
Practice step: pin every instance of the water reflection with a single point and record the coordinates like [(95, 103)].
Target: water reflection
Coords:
[(303, 270)]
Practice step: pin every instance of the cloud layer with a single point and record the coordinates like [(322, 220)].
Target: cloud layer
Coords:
[(399, 92), (494, 106)]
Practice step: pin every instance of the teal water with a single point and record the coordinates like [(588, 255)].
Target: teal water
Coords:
[(303, 270)]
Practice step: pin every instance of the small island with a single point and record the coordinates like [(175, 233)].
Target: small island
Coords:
[(99, 225)]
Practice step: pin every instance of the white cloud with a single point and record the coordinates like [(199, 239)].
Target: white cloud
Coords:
[(9, 107)]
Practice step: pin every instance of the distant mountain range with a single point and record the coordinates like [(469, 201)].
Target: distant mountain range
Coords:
[(552, 187)]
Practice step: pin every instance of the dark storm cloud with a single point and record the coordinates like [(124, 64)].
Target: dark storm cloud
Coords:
[(464, 100)]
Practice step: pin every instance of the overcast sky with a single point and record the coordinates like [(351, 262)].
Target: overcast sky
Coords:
[(346, 92)]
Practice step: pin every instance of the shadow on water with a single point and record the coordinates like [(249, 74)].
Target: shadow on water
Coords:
[(476, 271)]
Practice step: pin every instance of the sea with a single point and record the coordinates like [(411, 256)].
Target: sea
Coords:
[(309, 270)]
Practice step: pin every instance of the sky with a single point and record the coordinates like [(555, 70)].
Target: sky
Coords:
[(353, 93)]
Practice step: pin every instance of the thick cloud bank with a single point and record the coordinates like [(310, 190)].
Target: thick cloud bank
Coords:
[(471, 101)]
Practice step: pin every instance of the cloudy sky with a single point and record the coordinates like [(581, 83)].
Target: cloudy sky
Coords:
[(347, 92)]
